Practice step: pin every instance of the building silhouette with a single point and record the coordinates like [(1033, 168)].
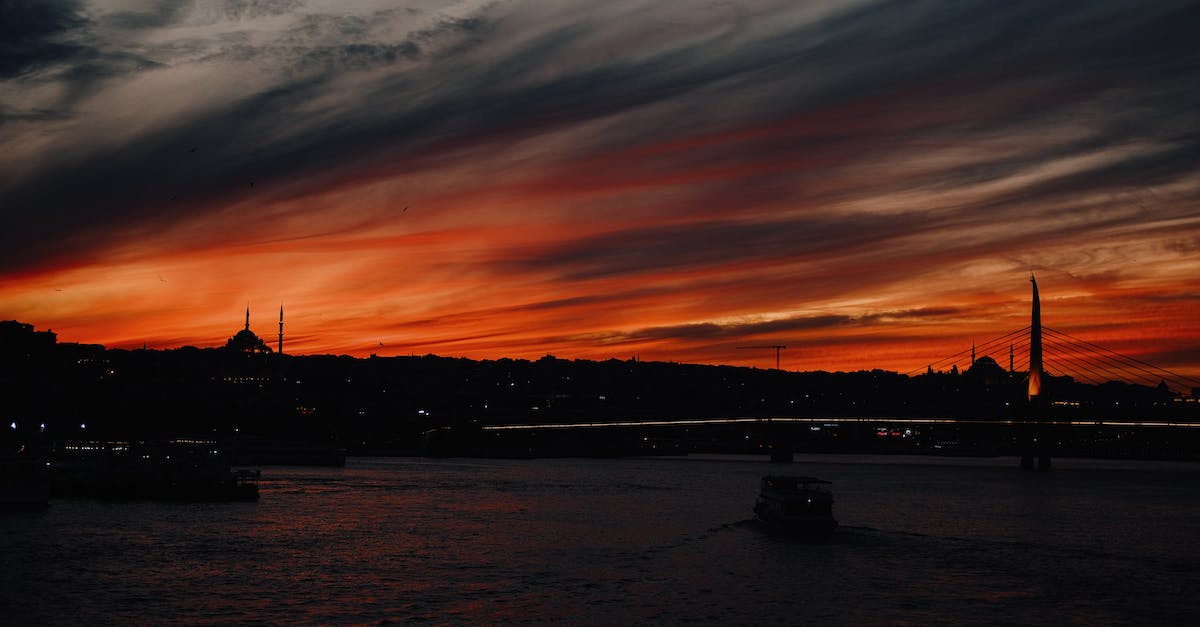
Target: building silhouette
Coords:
[(245, 341), (988, 373)]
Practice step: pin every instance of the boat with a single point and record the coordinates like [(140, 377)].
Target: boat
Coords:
[(180, 469), (803, 504)]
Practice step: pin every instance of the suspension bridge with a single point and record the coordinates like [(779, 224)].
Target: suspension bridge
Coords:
[(1041, 353), (1042, 360)]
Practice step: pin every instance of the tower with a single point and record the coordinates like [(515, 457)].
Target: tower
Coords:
[(247, 317), (1035, 345), (280, 351), (1034, 444)]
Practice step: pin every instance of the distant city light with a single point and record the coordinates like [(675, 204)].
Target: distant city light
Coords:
[(879, 430)]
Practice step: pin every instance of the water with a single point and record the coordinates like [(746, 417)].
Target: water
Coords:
[(659, 540)]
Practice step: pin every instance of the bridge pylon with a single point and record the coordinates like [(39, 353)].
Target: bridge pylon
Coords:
[(1031, 440)]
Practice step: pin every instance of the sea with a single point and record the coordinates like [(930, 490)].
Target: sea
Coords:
[(632, 541)]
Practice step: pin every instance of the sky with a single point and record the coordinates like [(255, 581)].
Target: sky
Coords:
[(869, 183)]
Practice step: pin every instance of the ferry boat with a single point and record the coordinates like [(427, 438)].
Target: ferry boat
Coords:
[(790, 503), (181, 469)]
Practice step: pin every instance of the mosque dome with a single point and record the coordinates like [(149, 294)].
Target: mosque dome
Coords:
[(245, 341), (986, 370)]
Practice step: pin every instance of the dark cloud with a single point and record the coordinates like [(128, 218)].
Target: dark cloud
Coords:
[(717, 242), (248, 9), (606, 298), (357, 56), (156, 14), (35, 115), (1185, 355), (774, 328), (323, 27), (33, 33), (1121, 63), (913, 314), (169, 12)]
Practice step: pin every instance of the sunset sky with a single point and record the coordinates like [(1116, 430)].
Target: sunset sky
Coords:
[(869, 183)]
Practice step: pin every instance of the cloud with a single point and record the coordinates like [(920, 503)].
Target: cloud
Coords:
[(669, 247), (33, 33), (492, 87), (746, 330), (769, 160)]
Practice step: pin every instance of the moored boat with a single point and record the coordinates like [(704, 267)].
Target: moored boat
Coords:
[(180, 469), (803, 504)]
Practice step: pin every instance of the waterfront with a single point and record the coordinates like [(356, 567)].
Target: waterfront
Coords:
[(617, 541)]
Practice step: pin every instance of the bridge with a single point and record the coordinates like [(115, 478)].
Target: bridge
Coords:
[(1045, 353), (1069, 359), (781, 437), (1039, 357)]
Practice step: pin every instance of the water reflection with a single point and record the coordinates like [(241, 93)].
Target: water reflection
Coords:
[(613, 541)]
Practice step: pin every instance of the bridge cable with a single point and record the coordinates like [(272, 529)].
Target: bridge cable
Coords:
[(941, 363), (1111, 370), (1133, 363)]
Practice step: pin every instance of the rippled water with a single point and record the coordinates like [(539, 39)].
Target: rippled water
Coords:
[(923, 540)]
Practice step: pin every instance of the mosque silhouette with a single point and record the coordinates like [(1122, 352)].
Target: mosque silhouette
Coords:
[(245, 341)]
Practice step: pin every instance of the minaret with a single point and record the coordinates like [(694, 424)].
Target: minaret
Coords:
[(1035, 345), (247, 317), (972, 354), (280, 351)]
